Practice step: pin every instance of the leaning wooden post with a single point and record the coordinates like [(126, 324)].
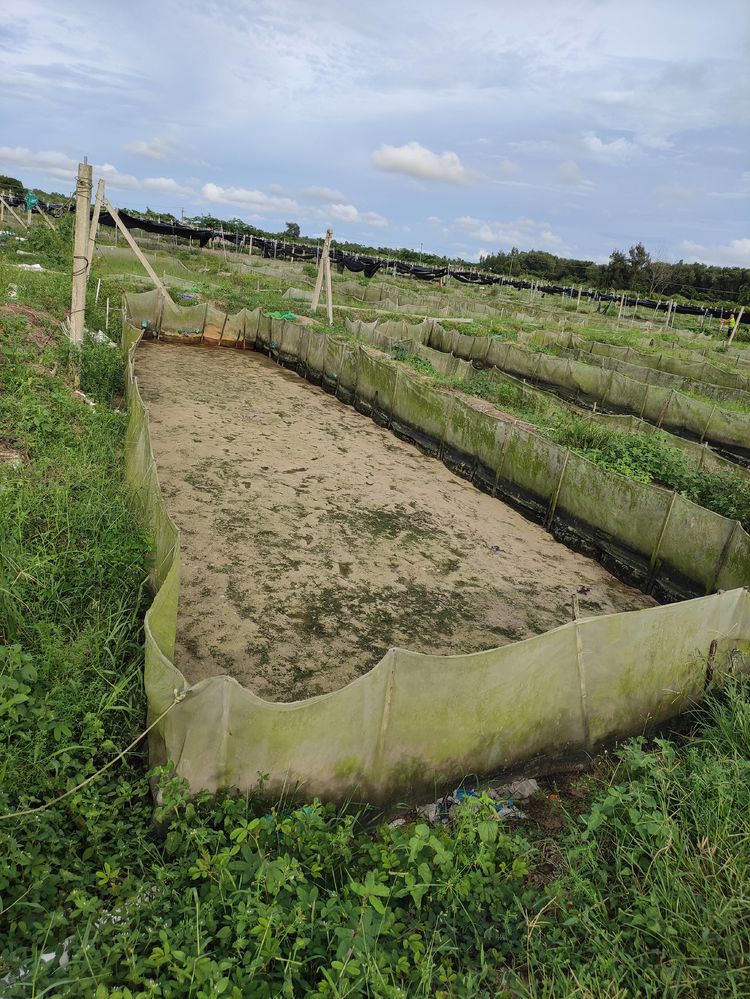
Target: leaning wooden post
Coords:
[(321, 270), (16, 217), (95, 221), (329, 293), (736, 324), (134, 246), (45, 219), (80, 249)]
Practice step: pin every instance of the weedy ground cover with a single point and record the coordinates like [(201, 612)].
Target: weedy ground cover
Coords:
[(639, 886)]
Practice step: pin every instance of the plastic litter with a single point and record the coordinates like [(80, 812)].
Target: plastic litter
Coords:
[(99, 337), (504, 798)]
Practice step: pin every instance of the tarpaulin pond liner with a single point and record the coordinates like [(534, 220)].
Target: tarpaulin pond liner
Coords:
[(450, 366), (725, 429), (654, 376), (417, 722), (698, 371)]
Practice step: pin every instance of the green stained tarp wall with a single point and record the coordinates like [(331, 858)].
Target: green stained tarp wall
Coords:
[(417, 722)]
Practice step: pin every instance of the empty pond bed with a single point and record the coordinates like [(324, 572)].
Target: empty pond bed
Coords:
[(314, 540)]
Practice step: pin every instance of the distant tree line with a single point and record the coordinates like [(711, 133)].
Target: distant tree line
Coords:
[(635, 271)]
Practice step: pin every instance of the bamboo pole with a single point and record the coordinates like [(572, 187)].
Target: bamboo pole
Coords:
[(80, 249), (134, 246), (46, 221), (95, 222), (329, 293), (736, 324), (16, 217)]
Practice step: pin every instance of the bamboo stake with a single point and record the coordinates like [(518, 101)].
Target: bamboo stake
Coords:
[(736, 324), (134, 246), (46, 221), (95, 223), (16, 217), (329, 293)]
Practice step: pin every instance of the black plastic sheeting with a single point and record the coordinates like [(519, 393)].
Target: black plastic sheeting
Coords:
[(361, 264), (201, 236)]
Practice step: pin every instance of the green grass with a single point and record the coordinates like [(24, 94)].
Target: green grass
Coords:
[(656, 899), (640, 889)]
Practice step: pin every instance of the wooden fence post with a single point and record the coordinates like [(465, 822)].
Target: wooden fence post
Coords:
[(95, 222), (80, 249), (324, 256), (736, 324)]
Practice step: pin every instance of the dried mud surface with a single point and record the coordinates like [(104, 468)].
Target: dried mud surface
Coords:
[(313, 540)]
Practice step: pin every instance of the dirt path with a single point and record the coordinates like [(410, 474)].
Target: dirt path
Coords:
[(313, 540)]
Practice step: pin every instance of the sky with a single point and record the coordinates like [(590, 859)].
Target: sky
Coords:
[(572, 126)]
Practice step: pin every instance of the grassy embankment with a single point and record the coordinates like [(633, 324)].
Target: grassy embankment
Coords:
[(634, 881)]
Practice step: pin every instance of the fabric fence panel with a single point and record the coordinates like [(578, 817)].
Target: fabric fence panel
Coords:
[(348, 374), (316, 356), (495, 708), (642, 668), (375, 387), (630, 513), (734, 562), (419, 412), (470, 443), (531, 471), (693, 541)]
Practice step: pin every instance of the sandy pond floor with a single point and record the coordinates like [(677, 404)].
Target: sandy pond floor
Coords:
[(313, 540)]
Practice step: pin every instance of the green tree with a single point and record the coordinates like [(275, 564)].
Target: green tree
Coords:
[(11, 184), (639, 266), (292, 230), (617, 273)]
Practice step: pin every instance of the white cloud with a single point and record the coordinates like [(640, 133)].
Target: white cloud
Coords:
[(733, 254), (508, 169), (415, 160), (48, 162), (550, 238), (675, 194), (616, 151), (523, 232), (59, 166), (324, 194), (257, 201), (349, 213), (570, 173), (153, 149)]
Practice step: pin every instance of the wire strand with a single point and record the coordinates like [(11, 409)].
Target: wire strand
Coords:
[(79, 787)]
